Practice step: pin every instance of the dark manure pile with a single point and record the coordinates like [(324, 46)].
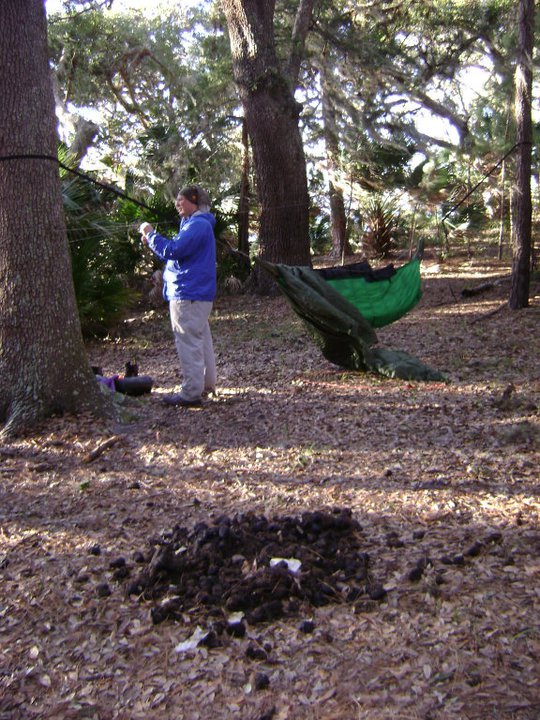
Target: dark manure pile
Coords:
[(262, 568)]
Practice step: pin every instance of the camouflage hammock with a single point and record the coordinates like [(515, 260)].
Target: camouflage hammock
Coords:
[(340, 307)]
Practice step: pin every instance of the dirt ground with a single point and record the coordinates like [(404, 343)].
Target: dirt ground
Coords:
[(441, 480)]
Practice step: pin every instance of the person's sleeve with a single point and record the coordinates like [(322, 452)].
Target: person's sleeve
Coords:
[(178, 248)]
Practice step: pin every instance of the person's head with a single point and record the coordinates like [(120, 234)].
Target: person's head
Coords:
[(190, 199)]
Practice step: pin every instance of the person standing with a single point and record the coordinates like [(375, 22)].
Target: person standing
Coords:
[(189, 286)]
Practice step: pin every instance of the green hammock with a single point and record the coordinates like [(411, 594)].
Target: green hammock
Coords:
[(341, 306), (381, 296)]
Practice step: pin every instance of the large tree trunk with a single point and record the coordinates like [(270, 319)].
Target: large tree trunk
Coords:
[(271, 115), (521, 196), (43, 365)]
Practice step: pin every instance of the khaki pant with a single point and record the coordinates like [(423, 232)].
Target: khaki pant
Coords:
[(193, 340)]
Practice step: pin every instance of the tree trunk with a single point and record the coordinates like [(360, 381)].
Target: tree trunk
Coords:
[(338, 219), (271, 114), (521, 196), (85, 134), (243, 205), (43, 365), (502, 217)]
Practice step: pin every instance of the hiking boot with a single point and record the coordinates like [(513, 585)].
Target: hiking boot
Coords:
[(177, 400)]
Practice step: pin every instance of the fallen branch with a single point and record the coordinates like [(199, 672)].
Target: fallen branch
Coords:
[(100, 449), (490, 313), (483, 287)]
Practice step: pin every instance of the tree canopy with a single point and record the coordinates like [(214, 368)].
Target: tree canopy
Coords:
[(413, 88)]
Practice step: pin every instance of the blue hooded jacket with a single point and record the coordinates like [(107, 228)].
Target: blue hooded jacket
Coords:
[(190, 269)]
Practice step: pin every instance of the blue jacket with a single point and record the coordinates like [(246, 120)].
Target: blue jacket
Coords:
[(190, 269)]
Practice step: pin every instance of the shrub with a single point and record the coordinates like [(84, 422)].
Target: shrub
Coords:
[(382, 223)]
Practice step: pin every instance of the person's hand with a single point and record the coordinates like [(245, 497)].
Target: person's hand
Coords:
[(145, 229)]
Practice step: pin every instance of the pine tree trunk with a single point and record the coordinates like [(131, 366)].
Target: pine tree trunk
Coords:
[(521, 196), (271, 115), (43, 365)]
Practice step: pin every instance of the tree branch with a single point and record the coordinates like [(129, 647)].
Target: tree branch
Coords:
[(301, 27)]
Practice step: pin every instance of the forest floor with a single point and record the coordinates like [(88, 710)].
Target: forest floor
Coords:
[(414, 506)]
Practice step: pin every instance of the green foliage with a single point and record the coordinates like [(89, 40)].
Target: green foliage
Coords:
[(447, 178), (381, 166), (472, 214), (103, 256), (164, 89), (229, 264), (126, 216), (320, 237), (162, 86)]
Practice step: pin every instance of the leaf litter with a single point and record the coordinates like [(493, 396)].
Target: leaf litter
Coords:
[(110, 606)]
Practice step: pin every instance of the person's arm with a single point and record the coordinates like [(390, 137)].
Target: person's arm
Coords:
[(159, 245), (181, 247)]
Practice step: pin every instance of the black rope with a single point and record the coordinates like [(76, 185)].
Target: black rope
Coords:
[(119, 193), (448, 212), (115, 191), (80, 174), (111, 189)]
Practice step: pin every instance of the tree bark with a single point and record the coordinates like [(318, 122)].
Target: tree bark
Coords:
[(271, 115), (43, 364), (243, 205), (300, 31), (521, 196)]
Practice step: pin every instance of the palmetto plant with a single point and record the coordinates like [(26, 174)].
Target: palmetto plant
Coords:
[(381, 216), (101, 259), (109, 262)]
